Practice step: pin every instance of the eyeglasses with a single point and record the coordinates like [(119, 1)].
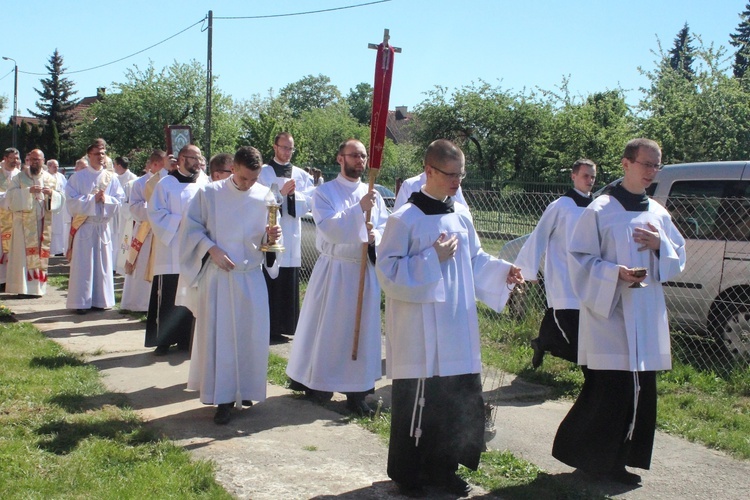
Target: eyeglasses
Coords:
[(459, 176), (100, 153), (285, 148), (361, 156), (653, 166)]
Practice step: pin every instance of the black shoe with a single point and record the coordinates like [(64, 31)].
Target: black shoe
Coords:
[(81, 311), (410, 490), (223, 414), (247, 402), (320, 397), (161, 350), (538, 358), (622, 476), (455, 485), (359, 407)]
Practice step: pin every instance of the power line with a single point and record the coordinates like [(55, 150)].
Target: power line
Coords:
[(122, 58), (7, 74), (199, 22), (304, 13)]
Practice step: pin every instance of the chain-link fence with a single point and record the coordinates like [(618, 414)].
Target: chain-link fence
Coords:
[(708, 304)]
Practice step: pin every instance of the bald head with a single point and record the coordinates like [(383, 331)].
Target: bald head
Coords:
[(36, 161)]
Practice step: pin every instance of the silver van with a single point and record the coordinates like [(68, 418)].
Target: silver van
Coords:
[(710, 204)]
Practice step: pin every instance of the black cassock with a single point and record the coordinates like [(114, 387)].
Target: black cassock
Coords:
[(452, 428)]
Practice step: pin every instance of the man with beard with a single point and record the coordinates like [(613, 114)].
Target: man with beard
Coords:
[(93, 196), (296, 187), (558, 332), (321, 358), (168, 324), (10, 168), (221, 259), (32, 198)]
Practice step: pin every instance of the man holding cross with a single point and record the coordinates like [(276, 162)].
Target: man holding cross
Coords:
[(321, 358)]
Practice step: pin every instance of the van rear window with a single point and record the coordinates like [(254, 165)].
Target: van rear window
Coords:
[(716, 210)]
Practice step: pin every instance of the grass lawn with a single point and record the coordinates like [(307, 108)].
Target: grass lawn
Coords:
[(699, 404), (63, 435)]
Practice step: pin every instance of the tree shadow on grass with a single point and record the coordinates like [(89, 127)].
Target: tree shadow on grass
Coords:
[(62, 436), (56, 362)]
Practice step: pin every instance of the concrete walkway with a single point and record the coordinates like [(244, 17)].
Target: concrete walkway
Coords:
[(288, 447)]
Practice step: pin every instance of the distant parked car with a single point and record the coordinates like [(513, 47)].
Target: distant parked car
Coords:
[(389, 197), (710, 204)]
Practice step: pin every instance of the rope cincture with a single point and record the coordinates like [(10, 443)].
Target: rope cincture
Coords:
[(636, 394), (416, 432)]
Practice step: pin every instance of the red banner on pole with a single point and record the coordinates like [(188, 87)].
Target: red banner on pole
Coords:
[(380, 98)]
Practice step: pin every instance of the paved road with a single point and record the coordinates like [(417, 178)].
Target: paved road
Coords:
[(288, 447)]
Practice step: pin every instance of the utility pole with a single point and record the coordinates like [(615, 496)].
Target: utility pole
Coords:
[(209, 85), (15, 101)]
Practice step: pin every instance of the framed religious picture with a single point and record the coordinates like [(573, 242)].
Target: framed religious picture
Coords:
[(178, 136)]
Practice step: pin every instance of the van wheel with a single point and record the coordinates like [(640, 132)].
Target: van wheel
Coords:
[(734, 330)]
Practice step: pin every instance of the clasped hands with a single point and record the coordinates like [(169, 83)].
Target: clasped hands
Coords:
[(40, 189), (446, 248)]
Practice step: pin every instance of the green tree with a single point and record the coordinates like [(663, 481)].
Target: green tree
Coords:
[(502, 133), (741, 41), (596, 127), (132, 119), (705, 119), (309, 93), (360, 102), (262, 119), (319, 131), (55, 105), (681, 54), (52, 141)]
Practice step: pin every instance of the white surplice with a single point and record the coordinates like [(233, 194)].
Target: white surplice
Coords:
[(321, 352), (550, 239), (60, 222), (230, 348), (5, 179), (623, 328), (91, 282), (120, 247), (136, 289), (291, 227), (414, 184), (165, 208), (19, 201), (431, 314)]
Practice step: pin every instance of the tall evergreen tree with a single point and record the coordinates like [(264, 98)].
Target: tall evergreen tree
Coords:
[(681, 55), (55, 102), (741, 40)]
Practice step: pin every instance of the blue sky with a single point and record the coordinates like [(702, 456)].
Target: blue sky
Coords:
[(516, 44)]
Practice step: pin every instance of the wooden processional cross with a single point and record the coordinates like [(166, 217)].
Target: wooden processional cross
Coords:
[(378, 121)]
